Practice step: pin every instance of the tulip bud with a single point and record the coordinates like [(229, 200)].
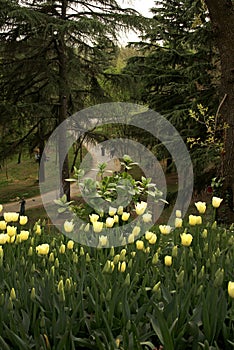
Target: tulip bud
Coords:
[(56, 263), (70, 244), (206, 248), (33, 294), (199, 290), (122, 255), (107, 267), (68, 284), (180, 279), (204, 233), (131, 238), (231, 289), (155, 259), (82, 253), (123, 267), (127, 280), (219, 275), (112, 252), (109, 295), (74, 258), (12, 294), (174, 252), (168, 260), (87, 258), (201, 273), (116, 259)]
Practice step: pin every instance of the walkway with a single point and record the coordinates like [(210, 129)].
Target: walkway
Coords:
[(97, 158)]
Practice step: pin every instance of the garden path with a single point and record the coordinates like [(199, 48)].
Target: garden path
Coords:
[(97, 158)]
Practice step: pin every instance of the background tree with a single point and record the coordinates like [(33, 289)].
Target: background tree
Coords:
[(51, 56), (221, 13)]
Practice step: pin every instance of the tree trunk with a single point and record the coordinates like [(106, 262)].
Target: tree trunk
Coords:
[(63, 94), (222, 19)]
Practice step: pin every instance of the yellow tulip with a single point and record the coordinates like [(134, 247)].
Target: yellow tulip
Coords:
[(24, 235), (68, 226), (199, 220), (216, 201), (1, 207), (97, 226), (147, 217), (112, 211), (11, 216), (11, 230), (148, 235), (131, 238), (168, 260), (62, 249), (23, 220), (192, 220), (70, 244), (3, 225), (122, 266), (231, 289), (110, 222), (120, 210), (12, 294), (186, 239), (178, 222), (103, 240), (125, 216), (201, 207), (116, 218), (153, 239), (178, 213), (165, 229), (139, 245), (3, 238), (140, 207), (43, 249), (38, 229), (136, 230), (93, 218)]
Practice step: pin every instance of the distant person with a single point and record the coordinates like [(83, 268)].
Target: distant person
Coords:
[(112, 152), (102, 151), (22, 206)]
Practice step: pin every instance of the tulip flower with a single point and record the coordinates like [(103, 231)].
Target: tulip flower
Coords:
[(12, 294), (178, 213), (178, 222), (3, 238), (199, 220), (23, 220), (68, 226), (3, 225), (147, 217), (110, 222), (153, 239), (148, 235), (43, 249), (186, 239), (122, 266), (192, 220), (11, 230), (11, 216), (103, 240), (165, 229), (139, 245), (97, 226), (125, 216), (216, 201), (116, 218), (120, 210), (136, 231), (231, 289), (62, 249), (168, 260), (70, 244), (38, 229), (93, 218), (140, 207), (1, 207), (24, 235), (201, 207), (112, 211), (131, 238)]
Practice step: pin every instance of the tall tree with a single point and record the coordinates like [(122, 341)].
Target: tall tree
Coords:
[(53, 52), (222, 18)]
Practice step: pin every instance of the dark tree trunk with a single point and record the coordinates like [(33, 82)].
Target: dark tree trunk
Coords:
[(222, 19), (63, 96)]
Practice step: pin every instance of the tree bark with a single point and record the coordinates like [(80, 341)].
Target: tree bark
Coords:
[(63, 96), (222, 18)]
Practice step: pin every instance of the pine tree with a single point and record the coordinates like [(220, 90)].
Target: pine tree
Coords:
[(51, 55)]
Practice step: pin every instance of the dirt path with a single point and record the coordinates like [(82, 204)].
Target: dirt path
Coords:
[(97, 158)]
